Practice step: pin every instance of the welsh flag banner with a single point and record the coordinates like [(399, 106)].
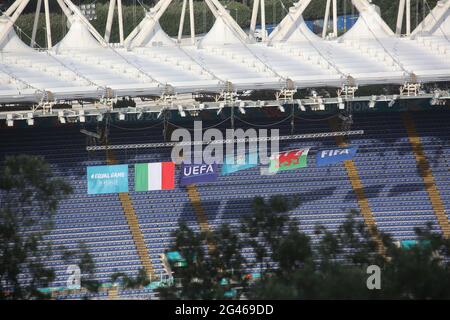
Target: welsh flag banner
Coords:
[(154, 176), (289, 160)]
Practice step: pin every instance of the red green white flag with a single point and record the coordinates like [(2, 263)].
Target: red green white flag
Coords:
[(154, 176), (289, 160)]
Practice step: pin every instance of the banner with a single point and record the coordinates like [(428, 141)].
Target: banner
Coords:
[(231, 164), (329, 156), (107, 179), (197, 173), (154, 176), (289, 160)]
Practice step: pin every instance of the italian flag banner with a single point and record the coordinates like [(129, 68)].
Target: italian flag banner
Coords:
[(289, 160), (154, 176)]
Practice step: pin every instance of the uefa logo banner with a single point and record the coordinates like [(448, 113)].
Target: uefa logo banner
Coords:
[(198, 173), (107, 179)]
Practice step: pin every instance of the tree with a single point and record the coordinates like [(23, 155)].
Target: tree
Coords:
[(82, 258), (29, 195), (265, 227), (206, 276), (127, 282), (333, 266)]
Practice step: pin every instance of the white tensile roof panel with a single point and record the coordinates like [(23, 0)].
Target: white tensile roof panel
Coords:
[(80, 67)]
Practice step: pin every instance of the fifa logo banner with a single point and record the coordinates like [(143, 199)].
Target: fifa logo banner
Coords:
[(289, 160), (107, 179), (198, 173), (329, 156)]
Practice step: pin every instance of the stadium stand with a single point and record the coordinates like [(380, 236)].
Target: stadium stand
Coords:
[(396, 189)]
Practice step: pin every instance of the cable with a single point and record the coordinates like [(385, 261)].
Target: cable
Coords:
[(440, 26), (312, 120), (384, 48), (189, 143), (206, 128), (255, 55), (136, 129), (264, 125), (297, 25), (50, 55)]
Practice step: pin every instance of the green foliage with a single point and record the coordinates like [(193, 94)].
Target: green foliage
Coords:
[(127, 282), (29, 196), (82, 257), (334, 267)]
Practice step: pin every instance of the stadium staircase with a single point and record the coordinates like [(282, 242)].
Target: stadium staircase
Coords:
[(358, 188), (113, 293), (194, 196), (133, 223), (427, 174)]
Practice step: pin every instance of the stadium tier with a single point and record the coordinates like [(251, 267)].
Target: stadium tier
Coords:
[(386, 165)]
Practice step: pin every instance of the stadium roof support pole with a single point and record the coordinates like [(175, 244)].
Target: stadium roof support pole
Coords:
[(408, 17), (48, 27), (13, 7), (153, 15), (229, 20), (263, 20), (335, 29), (120, 17), (364, 5), (401, 13), (66, 10), (192, 21), (181, 26), (325, 19), (83, 19), (35, 23), (289, 20), (20, 6), (254, 18), (433, 19), (109, 20), (137, 36), (211, 7)]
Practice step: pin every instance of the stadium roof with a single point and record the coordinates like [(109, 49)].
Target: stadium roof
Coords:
[(150, 63)]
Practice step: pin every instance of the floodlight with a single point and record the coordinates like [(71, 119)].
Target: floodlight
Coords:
[(392, 102), (281, 108), (9, 120), (300, 105), (61, 117), (372, 102), (121, 116), (241, 107), (341, 103), (221, 106), (181, 111), (30, 120)]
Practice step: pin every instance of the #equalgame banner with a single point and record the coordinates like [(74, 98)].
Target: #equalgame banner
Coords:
[(289, 160), (241, 162), (329, 156), (107, 179), (198, 173), (154, 176)]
